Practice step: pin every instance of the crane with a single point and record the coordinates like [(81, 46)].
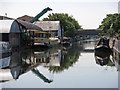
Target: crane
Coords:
[(40, 14), (26, 35)]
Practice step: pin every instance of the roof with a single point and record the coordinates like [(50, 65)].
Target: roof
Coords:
[(5, 26), (28, 25), (25, 18), (5, 18), (48, 25)]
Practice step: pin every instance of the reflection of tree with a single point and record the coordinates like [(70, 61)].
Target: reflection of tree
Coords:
[(68, 59)]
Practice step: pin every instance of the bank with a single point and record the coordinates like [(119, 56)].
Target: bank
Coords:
[(114, 44)]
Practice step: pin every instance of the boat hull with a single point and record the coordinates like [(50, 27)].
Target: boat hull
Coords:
[(102, 48)]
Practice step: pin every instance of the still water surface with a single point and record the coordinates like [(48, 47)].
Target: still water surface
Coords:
[(61, 67)]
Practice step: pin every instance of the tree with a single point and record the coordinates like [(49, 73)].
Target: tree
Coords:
[(111, 25), (68, 23)]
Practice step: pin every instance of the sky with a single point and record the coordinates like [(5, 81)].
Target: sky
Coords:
[(88, 13)]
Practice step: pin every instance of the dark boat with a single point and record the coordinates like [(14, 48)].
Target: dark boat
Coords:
[(101, 61), (103, 45), (102, 58)]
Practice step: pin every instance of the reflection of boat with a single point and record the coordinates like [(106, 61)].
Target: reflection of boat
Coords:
[(103, 58), (4, 62), (102, 61), (4, 47), (66, 47), (66, 41), (103, 45)]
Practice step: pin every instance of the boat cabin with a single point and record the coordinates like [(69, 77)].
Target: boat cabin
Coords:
[(51, 32)]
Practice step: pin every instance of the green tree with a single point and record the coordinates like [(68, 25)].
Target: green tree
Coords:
[(111, 25), (68, 23)]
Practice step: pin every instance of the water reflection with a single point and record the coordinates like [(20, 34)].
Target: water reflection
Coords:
[(55, 59), (103, 58), (69, 64), (20, 62), (69, 57)]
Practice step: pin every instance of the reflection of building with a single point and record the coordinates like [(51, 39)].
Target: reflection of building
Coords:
[(44, 58), (20, 62), (10, 67), (9, 74)]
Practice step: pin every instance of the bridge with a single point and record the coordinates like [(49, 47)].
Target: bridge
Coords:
[(88, 31)]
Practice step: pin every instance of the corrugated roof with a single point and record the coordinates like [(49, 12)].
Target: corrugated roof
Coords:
[(29, 25), (25, 18), (48, 25)]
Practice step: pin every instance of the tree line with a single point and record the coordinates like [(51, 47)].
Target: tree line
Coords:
[(68, 23), (111, 25)]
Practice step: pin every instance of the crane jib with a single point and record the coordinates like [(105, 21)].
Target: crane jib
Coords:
[(40, 14)]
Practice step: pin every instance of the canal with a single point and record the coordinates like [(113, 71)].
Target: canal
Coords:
[(75, 66)]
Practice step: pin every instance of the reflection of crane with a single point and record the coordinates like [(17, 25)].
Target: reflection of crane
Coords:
[(32, 21), (37, 72), (40, 14), (41, 76)]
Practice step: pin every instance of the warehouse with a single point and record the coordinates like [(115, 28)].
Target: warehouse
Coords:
[(10, 32), (52, 27)]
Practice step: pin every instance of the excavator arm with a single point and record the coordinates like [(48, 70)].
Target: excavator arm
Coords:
[(40, 14)]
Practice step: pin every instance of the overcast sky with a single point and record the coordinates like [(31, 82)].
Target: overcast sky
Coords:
[(89, 13)]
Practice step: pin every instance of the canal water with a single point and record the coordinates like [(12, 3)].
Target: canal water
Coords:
[(75, 66)]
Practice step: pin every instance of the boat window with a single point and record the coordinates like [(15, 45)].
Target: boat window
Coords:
[(5, 37), (44, 35), (40, 34)]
